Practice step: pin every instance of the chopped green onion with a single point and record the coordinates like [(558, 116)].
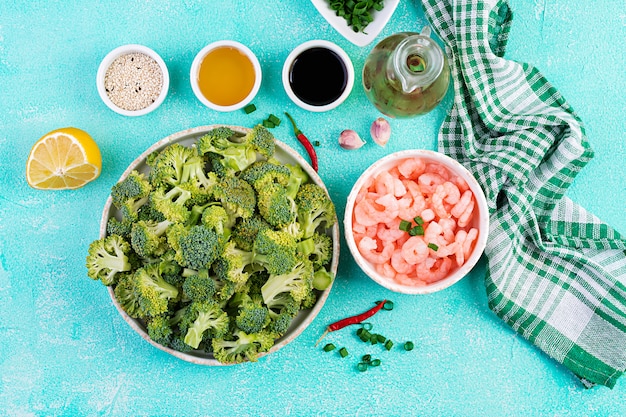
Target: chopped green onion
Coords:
[(364, 335), (316, 143), (374, 339), (367, 326), (405, 225), (388, 344), (362, 367), (417, 231), (329, 347), (418, 220), (433, 246), (388, 305), (272, 118), (408, 346), (249, 108), (366, 358), (381, 338), (268, 124), (343, 352), (375, 362)]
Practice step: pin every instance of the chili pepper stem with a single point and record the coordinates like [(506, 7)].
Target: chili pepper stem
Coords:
[(323, 336)]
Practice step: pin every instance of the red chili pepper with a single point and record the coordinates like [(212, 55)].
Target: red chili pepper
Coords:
[(359, 318), (305, 142)]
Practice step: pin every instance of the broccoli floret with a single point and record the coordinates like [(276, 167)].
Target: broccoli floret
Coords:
[(275, 206), (147, 237), (314, 208), (261, 140), (126, 296), (153, 291), (237, 197), (203, 320), (131, 208), (199, 287), (171, 271), (297, 177), (131, 189), (281, 322), (318, 248), (298, 282), (253, 316), (275, 250), (172, 202), (240, 346), (322, 278), (159, 329), (216, 218), (231, 264), (107, 257), (263, 173), (234, 156), (195, 247), (167, 165), (246, 230), (119, 227), (194, 171)]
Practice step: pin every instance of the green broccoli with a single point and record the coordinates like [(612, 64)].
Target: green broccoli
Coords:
[(234, 156), (119, 227), (275, 206), (203, 320), (263, 173), (252, 316), (107, 257), (275, 250), (314, 208), (231, 264), (240, 346), (147, 237), (261, 140), (194, 171), (216, 218), (126, 296), (281, 322), (131, 189), (318, 248), (298, 282), (172, 202), (199, 287), (297, 177), (160, 329), (171, 271), (237, 197), (322, 278), (167, 165), (154, 293), (245, 231), (195, 247)]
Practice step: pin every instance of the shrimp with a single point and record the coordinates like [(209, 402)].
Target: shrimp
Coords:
[(429, 181), (459, 239), (434, 273), (434, 234), (460, 183), (390, 231), (446, 192), (448, 226), (384, 183), (412, 168), (438, 169), (414, 250), (365, 213), (400, 265), (417, 204), (382, 209), (386, 270), (467, 215), (390, 204), (368, 248), (427, 215), (467, 245), (462, 205)]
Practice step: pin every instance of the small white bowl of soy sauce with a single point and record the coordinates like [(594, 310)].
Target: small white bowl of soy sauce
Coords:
[(318, 75)]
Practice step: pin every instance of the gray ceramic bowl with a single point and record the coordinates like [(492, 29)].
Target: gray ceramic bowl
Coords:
[(284, 154)]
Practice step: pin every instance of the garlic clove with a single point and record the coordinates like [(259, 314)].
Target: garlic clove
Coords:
[(380, 131), (349, 139)]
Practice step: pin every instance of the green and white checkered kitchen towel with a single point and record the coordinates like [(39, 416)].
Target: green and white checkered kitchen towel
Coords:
[(555, 273)]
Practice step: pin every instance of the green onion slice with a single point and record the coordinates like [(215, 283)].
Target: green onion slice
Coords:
[(408, 346), (329, 347), (405, 225)]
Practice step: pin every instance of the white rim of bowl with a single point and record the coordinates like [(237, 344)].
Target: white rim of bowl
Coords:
[(483, 220), (129, 49), (314, 44), (195, 68)]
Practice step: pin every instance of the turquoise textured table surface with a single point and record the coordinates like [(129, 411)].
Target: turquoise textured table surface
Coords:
[(64, 349)]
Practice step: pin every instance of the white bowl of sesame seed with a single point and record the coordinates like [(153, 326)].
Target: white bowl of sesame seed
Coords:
[(132, 80)]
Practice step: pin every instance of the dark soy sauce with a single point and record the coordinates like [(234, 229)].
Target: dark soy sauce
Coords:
[(318, 76)]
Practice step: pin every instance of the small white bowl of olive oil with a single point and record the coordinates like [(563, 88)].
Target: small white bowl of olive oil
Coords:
[(225, 75)]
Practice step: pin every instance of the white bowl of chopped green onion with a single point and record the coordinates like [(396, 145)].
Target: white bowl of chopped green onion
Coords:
[(176, 325)]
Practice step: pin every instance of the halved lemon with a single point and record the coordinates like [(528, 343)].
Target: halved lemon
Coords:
[(64, 159)]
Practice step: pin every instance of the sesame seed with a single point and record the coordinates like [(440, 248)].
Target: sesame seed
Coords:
[(133, 81)]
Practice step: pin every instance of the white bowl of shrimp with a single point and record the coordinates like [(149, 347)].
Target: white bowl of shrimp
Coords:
[(416, 221)]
